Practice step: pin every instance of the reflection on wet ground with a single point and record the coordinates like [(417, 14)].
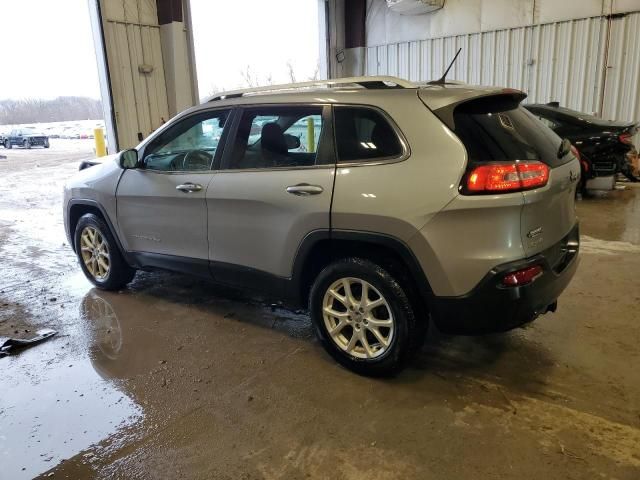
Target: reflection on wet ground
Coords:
[(177, 378), (612, 215), (53, 411)]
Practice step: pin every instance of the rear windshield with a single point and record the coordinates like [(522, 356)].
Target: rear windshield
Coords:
[(495, 131)]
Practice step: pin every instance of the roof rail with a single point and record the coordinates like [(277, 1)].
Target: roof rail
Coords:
[(366, 82)]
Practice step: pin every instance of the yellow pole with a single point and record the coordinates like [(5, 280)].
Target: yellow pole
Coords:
[(311, 135), (101, 148)]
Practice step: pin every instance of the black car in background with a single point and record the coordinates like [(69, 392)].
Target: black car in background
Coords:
[(25, 137), (603, 145)]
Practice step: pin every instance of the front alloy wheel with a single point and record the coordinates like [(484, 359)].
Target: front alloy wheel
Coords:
[(95, 253), (358, 318), (99, 255)]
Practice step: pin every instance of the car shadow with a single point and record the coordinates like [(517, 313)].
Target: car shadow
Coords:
[(509, 359)]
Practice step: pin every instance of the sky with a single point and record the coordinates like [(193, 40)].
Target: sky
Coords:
[(50, 46), (52, 52), (264, 35)]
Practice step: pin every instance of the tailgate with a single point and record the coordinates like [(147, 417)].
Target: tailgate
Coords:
[(495, 129), (548, 213)]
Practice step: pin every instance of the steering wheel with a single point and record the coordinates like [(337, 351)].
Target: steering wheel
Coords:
[(196, 160)]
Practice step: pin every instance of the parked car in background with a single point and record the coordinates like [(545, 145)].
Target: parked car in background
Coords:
[(26, 137), (366, 225), (603, 145)]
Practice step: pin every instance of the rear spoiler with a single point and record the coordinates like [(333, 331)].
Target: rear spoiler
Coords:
[(506, 99)]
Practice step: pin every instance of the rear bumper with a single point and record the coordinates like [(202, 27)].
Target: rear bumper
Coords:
[(491, 307), (38, 141)]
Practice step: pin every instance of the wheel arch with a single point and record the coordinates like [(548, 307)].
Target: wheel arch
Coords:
[(80, 207), (320, 248)]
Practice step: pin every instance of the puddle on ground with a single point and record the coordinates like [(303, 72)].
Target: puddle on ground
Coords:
[(55, 409), (58, 403), (612, 216)]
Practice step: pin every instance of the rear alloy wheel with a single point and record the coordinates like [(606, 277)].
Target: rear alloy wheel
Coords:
[(363, 317), (99, 256), (358, 318)]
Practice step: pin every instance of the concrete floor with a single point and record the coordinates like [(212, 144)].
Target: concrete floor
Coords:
[(172, 378)]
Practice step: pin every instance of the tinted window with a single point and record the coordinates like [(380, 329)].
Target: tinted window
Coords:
[(277, 137), (548, 122), (363, 134), (188, 145), (491, 133)]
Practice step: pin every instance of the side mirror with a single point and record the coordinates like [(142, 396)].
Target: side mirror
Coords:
[(128, 158), (293, 142)]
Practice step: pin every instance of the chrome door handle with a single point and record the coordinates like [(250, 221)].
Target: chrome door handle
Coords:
[(189, 187), (304, 189)]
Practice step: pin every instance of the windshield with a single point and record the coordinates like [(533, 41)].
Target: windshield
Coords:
[(31, 131)]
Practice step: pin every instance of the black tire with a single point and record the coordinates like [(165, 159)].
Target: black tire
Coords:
[(46, 145), (7, 144), (406, 327), (119, 273), (26, 144)]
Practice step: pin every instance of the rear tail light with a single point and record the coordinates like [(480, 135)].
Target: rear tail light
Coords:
[(522, 277), (503, 177), (625, 138)]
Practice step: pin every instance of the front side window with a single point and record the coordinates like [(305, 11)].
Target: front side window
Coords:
[(189, 145), (277, 137), (363, 134)]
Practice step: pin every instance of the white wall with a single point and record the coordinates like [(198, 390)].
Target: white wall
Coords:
[(562, 61), (460, 17)]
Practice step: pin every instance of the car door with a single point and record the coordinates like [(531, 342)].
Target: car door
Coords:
[(274, 188), (161, 207)]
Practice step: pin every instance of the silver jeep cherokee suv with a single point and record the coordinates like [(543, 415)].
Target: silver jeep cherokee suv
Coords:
[(378, 203)]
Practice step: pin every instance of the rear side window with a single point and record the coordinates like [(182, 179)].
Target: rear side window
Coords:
[(363, 134), (501, 131)]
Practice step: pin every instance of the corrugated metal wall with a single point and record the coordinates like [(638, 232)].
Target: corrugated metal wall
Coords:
[(561, 61), (132, 38)]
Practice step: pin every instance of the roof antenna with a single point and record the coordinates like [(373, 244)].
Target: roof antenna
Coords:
[(441, 80)]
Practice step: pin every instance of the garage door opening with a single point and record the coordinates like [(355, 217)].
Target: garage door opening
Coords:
[(250, 43), (49, 90)]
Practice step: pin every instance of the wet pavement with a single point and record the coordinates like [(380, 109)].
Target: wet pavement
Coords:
[(177, 378)]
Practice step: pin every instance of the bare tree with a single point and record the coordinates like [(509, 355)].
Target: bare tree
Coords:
[(316, 73), (213, 89), (292, 75), (249, 78), (32, 110)]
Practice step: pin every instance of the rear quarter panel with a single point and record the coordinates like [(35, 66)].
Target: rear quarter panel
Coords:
[(468, 238), (398, 197)]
